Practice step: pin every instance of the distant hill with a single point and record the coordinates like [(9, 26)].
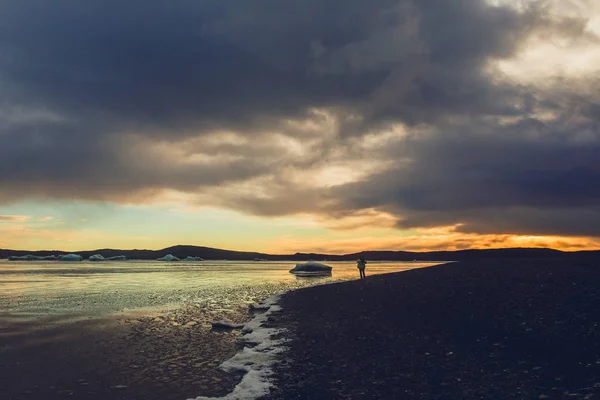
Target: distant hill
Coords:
[(209, 253)]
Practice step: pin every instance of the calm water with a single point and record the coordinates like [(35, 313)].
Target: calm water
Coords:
[(37, 289)]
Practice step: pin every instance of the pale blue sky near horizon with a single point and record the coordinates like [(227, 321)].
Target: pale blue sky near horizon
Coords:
[(153, 227)]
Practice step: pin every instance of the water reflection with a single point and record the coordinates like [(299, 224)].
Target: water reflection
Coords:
[(30, 288)]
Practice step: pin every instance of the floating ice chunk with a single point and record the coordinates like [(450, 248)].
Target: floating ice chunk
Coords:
[(71, 257), (190, 258), (255, 361), (97, 257), (168, 257), (312, 265), (116, 258), (311, 268), (222, 324), (31, 257)]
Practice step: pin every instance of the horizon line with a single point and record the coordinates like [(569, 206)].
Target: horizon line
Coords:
[(330, 254)]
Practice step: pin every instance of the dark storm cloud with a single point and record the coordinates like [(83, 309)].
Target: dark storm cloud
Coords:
[(213, 63), (101, 167), (165, 65), (526, 177), (93, 93)]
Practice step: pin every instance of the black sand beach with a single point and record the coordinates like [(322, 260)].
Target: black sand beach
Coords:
[(505, 329)]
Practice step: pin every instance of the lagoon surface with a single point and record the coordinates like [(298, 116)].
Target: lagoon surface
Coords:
[(38, 289)]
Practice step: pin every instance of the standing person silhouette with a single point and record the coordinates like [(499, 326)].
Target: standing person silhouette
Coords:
[(361, 264)]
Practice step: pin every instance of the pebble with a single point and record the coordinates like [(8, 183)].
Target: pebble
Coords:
[(119, 387)]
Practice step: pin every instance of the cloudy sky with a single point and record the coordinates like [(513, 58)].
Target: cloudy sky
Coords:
[(300, 125)]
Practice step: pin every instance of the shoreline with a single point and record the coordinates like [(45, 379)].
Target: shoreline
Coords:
[(262, 344), (499, 329)]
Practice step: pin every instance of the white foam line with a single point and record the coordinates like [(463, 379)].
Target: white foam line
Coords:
[(255, 361)]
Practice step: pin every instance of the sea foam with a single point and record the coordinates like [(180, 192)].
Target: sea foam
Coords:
[(255, 361)]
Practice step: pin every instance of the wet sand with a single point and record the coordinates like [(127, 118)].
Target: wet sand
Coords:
[(505, 329), (152, 355)]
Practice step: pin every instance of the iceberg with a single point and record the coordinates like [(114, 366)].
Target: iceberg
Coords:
[(116, 258), (71, 257), (168, 257), (97, 257), (190, 258), (311, 268), (31, 257)]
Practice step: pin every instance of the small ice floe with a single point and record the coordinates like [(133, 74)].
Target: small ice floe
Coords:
[(311, 268), (255, 361), (31, 257), (168, 257), (222, 324), (71, 257), (190, 258), (97, 257)]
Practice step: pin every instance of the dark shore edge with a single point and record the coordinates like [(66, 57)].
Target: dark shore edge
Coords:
[(493, 329)]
